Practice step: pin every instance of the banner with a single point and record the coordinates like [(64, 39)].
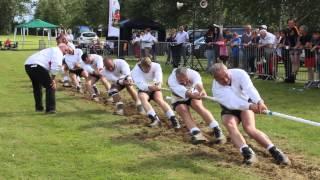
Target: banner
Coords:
[(114, 18)]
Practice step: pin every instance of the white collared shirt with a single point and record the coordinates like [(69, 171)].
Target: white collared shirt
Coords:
[(182, 37), (49, 58), (144, 80), (269, 39), (147, 40), (121, 70), (73, 59), (194, 79), (237, 95), (96, 65)]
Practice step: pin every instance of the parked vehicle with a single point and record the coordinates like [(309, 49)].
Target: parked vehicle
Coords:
[(87, 37)]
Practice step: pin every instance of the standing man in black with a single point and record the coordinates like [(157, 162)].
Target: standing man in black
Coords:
[(291, 60), (42, 67)]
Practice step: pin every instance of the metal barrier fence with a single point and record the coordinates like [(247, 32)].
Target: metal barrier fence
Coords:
[(267, 63)]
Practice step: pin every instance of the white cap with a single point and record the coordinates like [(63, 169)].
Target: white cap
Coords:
[(263, 27)]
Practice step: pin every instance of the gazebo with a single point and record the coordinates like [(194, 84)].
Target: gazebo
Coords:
[(36, 23)]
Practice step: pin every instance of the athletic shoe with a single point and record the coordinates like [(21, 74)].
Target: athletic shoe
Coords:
[(96, 90), (279, 156), (198, 138), (120, 110), (219, 137), (140, 109), (249, 157), (79, 89), (66, 84), (51, 112), (95, 98), (175, 122), (155, 122)]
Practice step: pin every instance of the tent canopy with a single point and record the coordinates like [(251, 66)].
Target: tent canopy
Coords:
[(37, 23), (126, 27)]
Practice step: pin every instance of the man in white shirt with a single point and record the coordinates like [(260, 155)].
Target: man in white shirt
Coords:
[(187, 90), (267, 44), (42, 68), (117, 71), (63, 39), (147, 76), (147, 41), (94, 66), (74, 64), (239, 100), (182, 38)]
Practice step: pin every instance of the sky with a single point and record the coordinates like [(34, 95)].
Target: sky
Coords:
[(27, 17)]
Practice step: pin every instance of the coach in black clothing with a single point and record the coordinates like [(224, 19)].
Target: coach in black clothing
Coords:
[(42, 68)]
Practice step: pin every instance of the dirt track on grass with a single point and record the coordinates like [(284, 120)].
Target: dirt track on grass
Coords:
[(225, 155)]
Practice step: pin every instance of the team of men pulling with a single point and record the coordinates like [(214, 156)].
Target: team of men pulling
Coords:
[(233, 89)]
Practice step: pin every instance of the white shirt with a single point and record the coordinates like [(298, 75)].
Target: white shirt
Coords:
[(147, 40), (236, 96), (182, 37), (136, 39), (50, 59), (121, 70), (73, 59), (69, 37), (97, 64), (179, 89), (268, 39), (144, 80)]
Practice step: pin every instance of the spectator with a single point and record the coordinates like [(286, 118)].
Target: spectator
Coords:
[(182, 38), (235, 44), (247, 51), (266, 47), (253, 44), (291, 41), (211, 37), (305, 43), (7, 44), (136, 44), (69, 36), (315, 48), (147, 40), (170, 40)]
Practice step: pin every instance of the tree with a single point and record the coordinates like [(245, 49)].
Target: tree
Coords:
[(9, 9)]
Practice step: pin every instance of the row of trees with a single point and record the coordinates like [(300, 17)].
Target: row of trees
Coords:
[(228, 12)]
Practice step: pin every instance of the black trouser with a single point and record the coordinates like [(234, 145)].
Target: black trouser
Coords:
[(176, 55), (40, 77), (287, 66)]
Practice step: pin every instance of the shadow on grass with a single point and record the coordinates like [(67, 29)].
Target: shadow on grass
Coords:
[(104, 124), (174, 162)]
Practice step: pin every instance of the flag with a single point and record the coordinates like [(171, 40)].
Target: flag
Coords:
[(114, 19)]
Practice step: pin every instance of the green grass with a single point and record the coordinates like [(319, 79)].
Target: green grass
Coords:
[(85, 141)]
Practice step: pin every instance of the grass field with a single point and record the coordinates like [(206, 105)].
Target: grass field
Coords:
[(84, 140)]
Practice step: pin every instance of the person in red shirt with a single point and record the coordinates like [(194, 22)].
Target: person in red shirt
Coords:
[(7, 44)]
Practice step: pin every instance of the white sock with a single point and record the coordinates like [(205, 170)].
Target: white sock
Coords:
[(270, 146), (151, 112), (138, 103), (194, 129), (243, 146), (213, 124), (169, 113), (66, 78)]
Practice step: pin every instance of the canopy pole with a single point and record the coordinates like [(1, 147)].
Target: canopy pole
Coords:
[(15, 34)]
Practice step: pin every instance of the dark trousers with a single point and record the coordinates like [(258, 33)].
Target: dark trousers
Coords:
[(40, 77), (176, 55)]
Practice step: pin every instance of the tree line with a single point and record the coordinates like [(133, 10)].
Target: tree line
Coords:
[(69, 13)]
